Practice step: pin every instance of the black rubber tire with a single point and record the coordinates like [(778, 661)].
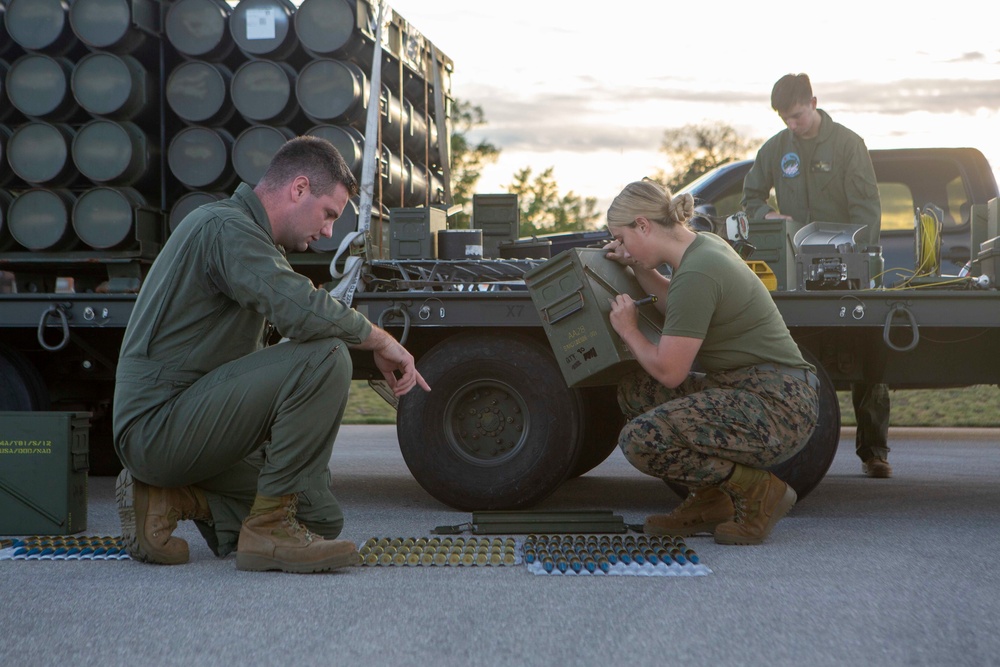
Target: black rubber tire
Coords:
[(602, 424), (485, 388), (22, 388), (806, 469)]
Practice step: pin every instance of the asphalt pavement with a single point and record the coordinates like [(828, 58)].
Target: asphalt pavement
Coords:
[(872, 572)]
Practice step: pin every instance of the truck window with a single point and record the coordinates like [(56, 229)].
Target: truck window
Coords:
[(898, 207), (729, 202), (958, 202)]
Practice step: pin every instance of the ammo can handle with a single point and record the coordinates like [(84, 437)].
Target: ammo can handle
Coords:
[(578, 294)]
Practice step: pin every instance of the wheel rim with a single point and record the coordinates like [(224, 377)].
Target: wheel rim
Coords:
[(486, 422)]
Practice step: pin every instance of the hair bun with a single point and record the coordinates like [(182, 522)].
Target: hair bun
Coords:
[(681, 207)]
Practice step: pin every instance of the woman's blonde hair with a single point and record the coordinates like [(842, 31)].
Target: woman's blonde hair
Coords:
[(649, 199)]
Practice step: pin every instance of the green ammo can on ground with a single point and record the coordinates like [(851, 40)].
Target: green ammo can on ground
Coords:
[(44, 459)]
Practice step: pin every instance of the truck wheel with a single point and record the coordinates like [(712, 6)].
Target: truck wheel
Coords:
[(807, 468), (602, 423), (499, 428), (22, 388)]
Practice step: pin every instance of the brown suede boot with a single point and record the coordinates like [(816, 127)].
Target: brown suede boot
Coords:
[(760, 500), (701, 512), (275, 540), (149, 516)]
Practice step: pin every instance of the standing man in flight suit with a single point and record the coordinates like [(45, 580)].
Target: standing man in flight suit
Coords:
[(212, 424), (821, 171)]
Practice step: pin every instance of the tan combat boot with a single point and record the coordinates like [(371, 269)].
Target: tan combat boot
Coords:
[(760, 500), (701, 512), (149, 516), (877, 468), (275, 540)]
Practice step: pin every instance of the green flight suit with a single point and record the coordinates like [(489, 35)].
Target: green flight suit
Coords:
[(837, 184), (199, 397), (827, 179)]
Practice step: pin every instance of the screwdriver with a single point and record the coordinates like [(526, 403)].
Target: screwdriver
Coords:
[(644, 300)]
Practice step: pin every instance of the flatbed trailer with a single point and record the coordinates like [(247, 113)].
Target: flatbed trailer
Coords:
[(500, 428)]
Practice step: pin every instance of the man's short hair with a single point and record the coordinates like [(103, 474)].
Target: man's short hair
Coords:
[(791, 90), (316, 159)]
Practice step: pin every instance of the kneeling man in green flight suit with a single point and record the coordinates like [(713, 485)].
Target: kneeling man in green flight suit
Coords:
[(213, 424)]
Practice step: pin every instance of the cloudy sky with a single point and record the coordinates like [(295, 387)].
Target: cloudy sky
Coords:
[(589, 87)]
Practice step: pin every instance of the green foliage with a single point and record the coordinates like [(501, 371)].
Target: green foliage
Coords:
[(467, 161), (364, 406), (960, 407), (695, 149), (545, 211)]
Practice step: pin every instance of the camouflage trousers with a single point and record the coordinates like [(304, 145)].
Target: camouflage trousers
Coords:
[(695, 433)]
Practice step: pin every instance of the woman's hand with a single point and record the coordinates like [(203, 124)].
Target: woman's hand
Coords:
[(615, 251), (624, 315)]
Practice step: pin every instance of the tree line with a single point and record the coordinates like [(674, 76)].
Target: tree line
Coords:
[(691, 150)]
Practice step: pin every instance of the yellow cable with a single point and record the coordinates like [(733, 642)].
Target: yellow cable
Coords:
[(928, 239)]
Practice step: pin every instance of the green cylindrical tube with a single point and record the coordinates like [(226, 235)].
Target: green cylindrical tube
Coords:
[(38, 85), (113, 153), (254, 148), (198, 92), (263, 91), (39, 153), (39, 219), (264, 29), (200, 29), (41, 25), (113, 25), (105, 218), (199, 157), (116, 87)]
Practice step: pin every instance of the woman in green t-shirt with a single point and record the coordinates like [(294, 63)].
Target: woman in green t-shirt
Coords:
[(754, 402)]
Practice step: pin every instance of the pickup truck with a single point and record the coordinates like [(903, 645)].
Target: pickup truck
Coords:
[(908, 178)]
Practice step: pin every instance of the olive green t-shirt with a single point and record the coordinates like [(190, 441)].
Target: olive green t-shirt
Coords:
[(716, 297)]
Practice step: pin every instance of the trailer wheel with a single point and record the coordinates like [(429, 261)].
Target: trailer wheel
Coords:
[(603, 421), (499, 428), (22, 388), (807, 468)]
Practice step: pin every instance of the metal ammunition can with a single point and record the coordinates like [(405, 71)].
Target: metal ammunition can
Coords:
[(413, 232), (44, 458), (572, 293)]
